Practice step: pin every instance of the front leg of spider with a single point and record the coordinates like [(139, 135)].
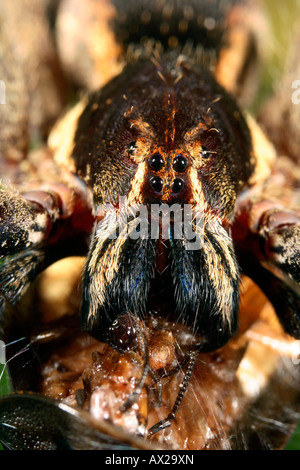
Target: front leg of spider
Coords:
[(32, 227), (267, 238)]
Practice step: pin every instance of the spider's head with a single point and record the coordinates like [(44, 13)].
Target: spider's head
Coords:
[(168, 152)]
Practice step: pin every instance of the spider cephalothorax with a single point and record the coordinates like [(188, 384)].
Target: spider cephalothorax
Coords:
[(180, 141)]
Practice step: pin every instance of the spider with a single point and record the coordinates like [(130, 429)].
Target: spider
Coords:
[(173, 193)]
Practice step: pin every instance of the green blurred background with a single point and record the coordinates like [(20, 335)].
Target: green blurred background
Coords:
[(284, 21)]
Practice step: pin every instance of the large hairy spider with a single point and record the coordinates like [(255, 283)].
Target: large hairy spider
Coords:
[(186, 215)]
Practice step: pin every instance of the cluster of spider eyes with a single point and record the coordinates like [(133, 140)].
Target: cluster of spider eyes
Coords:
[(179, 164), (157, 163)]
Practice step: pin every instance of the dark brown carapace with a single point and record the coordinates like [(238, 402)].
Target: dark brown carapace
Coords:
[(163, 135)]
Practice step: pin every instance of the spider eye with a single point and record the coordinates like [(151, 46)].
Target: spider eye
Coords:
[(156, 184), (156, 161), (180, 163), (178, 185), (132, 148), (205, 153)]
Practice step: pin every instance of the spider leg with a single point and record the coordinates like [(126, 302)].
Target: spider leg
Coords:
[(239, 61), (267, 239), (36, 229), (280, 114)]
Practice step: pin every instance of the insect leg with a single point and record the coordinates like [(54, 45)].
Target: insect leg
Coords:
[(166, 422), (133, 397)]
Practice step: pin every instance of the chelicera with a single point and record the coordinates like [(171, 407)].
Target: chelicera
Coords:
[(166, 134)]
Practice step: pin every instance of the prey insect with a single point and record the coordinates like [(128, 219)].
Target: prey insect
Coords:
[(167, 134)]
